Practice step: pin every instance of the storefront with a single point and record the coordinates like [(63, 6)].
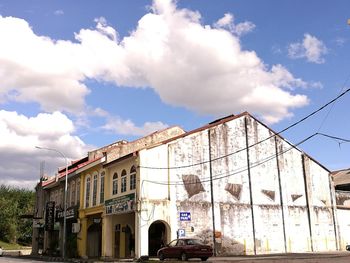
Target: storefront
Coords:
[(120, 219), (71, 235)]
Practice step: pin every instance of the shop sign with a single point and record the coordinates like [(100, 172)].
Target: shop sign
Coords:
[(119, 205), (72, 212), (185, 216), (50, 216)]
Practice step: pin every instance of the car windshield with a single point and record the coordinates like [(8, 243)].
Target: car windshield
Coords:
[(194, 242)]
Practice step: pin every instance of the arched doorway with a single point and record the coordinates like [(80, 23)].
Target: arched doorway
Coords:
[(129, 242), (94, 235), (157, 237)]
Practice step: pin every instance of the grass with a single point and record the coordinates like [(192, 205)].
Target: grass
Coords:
[(9, 246)]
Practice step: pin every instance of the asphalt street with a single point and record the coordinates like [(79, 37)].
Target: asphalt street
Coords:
[(334, 257)]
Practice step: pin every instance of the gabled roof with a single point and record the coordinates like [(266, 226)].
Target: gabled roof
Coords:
[(341, 177), (71, 169), (233, 117)]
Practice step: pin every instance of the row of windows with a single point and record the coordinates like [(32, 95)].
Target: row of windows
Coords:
[(123, 176), (92, 185), (73, 194), (94, 189)]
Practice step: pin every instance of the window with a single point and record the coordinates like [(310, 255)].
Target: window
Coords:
[(133, 178), (94, 191), (78, 191), (72, 196), (102, 188), (87, 197), (123, 189), (115, 184), (61, 198)]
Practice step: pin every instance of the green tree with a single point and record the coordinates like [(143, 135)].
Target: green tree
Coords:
[(15, 202)]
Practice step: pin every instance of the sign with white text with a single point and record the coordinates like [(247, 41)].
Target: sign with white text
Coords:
[(121, 204), (185, 216)]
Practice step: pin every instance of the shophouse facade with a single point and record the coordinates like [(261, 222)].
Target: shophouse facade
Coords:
[(107, 214), (48, 235), (233, 183)]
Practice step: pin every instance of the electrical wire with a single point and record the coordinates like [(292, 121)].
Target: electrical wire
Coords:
[(252, 145), (332, 106), (236, 171)]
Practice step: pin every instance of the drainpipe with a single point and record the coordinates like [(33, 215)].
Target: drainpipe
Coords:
[(307, 201), (250, 181), (281, 198), (333, 213), (212, 193)]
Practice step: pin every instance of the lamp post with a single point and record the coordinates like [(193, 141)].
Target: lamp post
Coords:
[(65, 197)]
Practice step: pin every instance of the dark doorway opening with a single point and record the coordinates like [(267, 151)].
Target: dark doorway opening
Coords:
[(94, 238), (156, 237)]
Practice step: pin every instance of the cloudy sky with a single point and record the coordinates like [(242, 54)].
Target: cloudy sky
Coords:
[(76, 75)]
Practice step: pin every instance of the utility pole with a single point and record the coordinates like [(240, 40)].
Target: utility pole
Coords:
[(212, 194)]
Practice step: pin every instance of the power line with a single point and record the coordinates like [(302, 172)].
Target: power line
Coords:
[(252, 145), (332, 106), (236, 171), (334, 137)]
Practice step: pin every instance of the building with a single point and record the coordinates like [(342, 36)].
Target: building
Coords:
[(48, 222), (233, 183), (109, 190), (342, 192)]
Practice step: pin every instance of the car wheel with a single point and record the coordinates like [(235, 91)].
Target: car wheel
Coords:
[(183, 256), (204, 259), (161, 256)]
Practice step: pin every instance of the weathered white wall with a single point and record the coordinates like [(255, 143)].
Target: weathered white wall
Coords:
[(344, 227), (275, 205)]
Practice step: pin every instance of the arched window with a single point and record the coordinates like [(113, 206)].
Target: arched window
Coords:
[(123, 186), (102, 187), (72, 195), (87, 196), (133, 178), (78, 191), (94, 191), (115, 184)]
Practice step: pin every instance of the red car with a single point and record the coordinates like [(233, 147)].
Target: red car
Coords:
[(184, 249)]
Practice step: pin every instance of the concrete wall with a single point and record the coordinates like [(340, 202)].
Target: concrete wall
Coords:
[(281, 203), (343, 215)]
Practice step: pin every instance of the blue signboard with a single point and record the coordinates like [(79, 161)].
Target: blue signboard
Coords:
[(185, 216)]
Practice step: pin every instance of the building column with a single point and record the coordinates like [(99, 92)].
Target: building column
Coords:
[(82, 237), (107, 234)]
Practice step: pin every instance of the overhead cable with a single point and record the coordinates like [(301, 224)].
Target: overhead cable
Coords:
[(252, 145)]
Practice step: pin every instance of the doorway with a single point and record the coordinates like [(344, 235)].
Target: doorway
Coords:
[(129, 242), (157, 237), (94, 237)]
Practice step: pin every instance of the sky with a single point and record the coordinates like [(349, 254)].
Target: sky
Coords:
[(78, 75)]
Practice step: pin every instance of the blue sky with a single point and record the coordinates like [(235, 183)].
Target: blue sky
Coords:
[(77, 75)]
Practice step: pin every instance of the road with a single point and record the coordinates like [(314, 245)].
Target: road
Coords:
[(335, 257)]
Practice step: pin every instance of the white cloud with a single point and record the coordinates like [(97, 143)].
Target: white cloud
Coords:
[(227, 22), (59, 12), (310, 48), (188, 64), (19, 135), (127, 127)]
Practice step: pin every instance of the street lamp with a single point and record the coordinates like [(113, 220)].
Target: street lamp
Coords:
[(65, 197)]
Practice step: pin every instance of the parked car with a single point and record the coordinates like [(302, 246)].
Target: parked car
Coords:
[(347, 247), (1, 251), (185, 248)]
